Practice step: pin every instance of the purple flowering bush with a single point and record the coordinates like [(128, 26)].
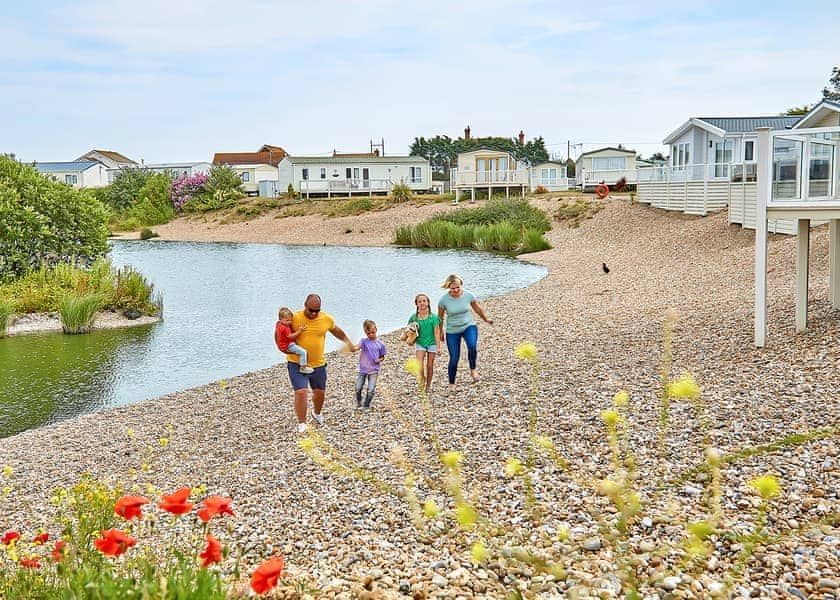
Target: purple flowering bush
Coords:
[(186, 187)]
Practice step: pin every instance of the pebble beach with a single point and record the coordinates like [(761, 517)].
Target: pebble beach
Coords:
[(596, 333)]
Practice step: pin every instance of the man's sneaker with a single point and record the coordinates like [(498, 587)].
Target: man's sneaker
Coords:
[(307, 370), (301, 428), (318, 418)]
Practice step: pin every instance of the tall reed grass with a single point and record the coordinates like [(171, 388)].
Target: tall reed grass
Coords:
[(78, 312), (7, 309)]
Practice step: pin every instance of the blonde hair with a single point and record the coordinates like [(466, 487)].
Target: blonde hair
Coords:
[(453, 278), (284, 312), (368, 324)]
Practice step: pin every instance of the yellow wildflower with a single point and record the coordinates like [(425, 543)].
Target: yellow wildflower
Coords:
[(163, 442), (621, 399), (7, 490), (413, 366), (478, 552), (452, 459), (306, 444), (684, 387), (223, 384), (701, 529), (562, 533), (130, 433), (466, 515), (544, 442), (7, 470), (150, 489), (513, 467), (608, 487), (526, 351), (610, 417), (767, 486), (430, 508)]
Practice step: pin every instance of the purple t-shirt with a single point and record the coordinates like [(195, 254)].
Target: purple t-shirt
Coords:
[(369, 351)]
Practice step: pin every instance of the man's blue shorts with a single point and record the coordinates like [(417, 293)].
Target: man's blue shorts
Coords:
[(317, 380)]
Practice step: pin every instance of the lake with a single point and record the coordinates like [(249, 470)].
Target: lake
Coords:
[(220, 306)]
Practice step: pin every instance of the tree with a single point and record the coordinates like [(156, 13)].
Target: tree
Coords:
[(441, 151), (44, 222), (798, 110), (125, 188), (832, 90)]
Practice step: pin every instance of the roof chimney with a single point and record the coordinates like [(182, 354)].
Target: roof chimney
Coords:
[(467, 132), (521, 137)]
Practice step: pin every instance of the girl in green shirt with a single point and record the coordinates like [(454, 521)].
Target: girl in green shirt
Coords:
[(428, 338)]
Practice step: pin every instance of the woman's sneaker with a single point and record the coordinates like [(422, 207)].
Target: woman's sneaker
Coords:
[(307, 370)]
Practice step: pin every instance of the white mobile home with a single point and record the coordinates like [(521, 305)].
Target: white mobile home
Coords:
[(550, 175), (490, 169), (78, 174), (352, 174), (113, 161), (607, 165), (178, 169)]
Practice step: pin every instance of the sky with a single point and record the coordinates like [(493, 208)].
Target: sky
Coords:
[(178, 80)]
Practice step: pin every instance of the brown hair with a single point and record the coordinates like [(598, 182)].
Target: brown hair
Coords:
[(418, 296), (367, 324), (284, 312)]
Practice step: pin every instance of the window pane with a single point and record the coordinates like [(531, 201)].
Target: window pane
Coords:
[(786, 155), (819, 169)]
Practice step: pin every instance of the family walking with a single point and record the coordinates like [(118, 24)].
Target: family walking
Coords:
[(302, 335)]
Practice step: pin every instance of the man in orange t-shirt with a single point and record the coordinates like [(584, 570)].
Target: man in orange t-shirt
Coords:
[(312, 339)]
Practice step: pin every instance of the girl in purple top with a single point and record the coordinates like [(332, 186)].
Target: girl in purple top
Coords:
[(372, 354)]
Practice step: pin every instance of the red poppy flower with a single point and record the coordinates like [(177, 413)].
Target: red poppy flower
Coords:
[(10, 537), (177, 503), (114, 542), (58, 550), (213, 552), (265, 577), (41, 538), (30, 563), (128, 507), (215, 505)]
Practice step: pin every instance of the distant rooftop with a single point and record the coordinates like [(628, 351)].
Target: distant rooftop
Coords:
[(343, 159), (749, 124), (57, 167)]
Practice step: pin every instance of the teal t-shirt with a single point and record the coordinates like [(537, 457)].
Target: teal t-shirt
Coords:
[(458, 312), (426, 329)]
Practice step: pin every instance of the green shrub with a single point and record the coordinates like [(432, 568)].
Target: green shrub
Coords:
[(505, 226), (147, 234), (153, 205), (125, 189), (222, 190), (401, 192), (43, 222), (78, 312), (44, 290), (7, 309)]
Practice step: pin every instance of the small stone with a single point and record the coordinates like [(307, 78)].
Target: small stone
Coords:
[(670, 583), (405, 587), (593, 543), (439, 580)]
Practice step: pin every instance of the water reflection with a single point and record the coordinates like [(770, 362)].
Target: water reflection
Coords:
[(221, 302)]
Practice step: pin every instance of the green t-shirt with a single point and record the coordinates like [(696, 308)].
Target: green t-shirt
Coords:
[(458, 311), (426, 327)]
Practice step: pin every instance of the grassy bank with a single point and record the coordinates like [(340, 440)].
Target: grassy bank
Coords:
[(504, 226)]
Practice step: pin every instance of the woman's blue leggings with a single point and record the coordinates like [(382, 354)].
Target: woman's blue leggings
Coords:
[(453, 345)]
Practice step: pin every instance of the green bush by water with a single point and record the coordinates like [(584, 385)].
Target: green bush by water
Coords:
[(504, 226), (45, 289), (77, 312), (7, 309)]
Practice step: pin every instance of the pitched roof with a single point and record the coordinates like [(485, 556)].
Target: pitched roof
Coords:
[(115, 156), (625, 150), (73, 166), (749, 124), (249, 158), (825, 105), (720, 126)]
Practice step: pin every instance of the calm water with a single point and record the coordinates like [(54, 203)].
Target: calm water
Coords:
[(220, 305)]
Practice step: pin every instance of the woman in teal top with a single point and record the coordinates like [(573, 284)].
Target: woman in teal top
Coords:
[(458, 305), (428, 338)]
